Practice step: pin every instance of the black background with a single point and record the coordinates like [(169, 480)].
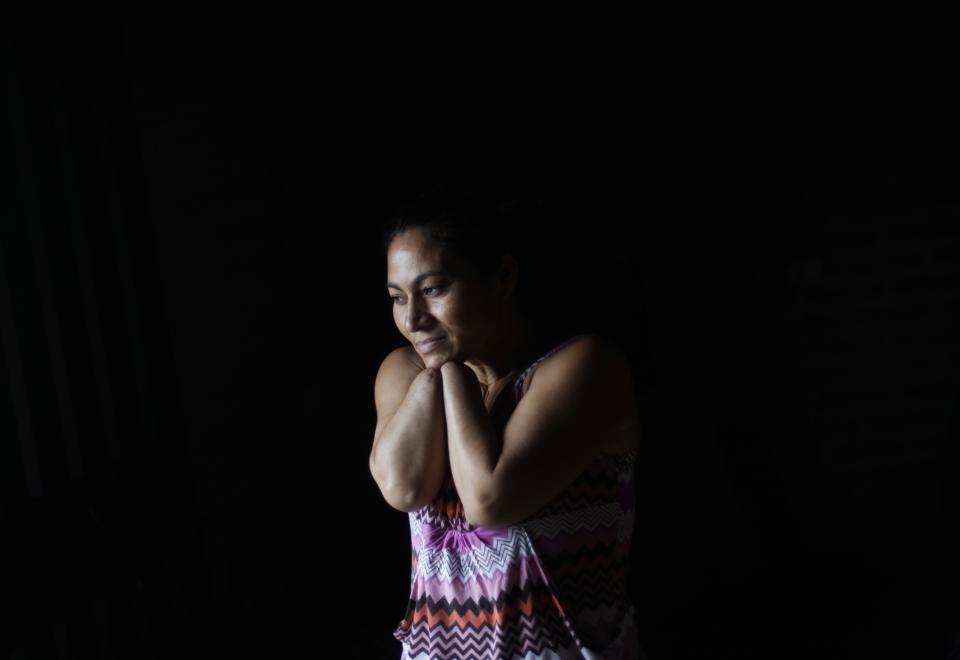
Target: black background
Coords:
[(761, 209)]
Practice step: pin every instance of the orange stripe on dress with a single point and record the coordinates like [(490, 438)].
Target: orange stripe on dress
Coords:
[(497, 616)]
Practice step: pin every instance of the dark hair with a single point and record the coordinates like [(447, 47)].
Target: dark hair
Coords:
[(471, 220), (479, 223)]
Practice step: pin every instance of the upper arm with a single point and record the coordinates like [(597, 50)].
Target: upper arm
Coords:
[(573, 407), (394, 376)]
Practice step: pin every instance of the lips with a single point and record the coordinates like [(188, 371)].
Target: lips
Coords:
[(427, 344)]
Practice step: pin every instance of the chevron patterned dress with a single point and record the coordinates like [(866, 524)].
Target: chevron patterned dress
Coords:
[(553, 586)]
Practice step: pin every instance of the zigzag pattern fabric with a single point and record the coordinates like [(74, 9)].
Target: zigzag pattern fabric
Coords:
[(551, 587)]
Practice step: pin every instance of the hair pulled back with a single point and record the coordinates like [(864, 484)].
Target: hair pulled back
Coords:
[(470, 220)]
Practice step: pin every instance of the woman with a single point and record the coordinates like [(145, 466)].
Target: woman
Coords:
[(514, 460)]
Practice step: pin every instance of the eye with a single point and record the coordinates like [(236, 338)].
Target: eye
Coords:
[(397, 300)]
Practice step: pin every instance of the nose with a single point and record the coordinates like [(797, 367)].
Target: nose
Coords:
[(417, 315)]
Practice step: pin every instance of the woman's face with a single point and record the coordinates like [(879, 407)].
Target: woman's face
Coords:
[(434, 296)]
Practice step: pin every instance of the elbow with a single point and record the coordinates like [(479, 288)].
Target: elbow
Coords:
[(479, 517), (480, 513), (404, 501), (495, 509), (399, 496)]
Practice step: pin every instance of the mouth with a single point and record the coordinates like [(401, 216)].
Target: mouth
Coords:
[(429, 345)]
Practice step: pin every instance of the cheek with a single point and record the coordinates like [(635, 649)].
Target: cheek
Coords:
[(473, 313), (445, 312)]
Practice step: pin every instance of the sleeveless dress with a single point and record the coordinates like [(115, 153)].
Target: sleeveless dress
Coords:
[(553, 586)]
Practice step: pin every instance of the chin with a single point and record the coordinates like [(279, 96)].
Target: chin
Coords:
[(436, 359)]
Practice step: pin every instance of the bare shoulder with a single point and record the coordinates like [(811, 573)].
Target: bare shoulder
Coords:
[(410, 353), (601, 366), (593, 353), (403, 358), (397, 370)]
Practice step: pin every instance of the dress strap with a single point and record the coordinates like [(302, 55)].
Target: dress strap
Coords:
[(518, 383)]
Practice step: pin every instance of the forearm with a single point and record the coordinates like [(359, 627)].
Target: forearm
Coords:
[(409, 458), (471, 437)]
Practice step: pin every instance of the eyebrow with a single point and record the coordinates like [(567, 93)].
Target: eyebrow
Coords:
[(419, 278)]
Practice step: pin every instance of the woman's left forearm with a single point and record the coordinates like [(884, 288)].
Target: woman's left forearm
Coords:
[(472, 445)]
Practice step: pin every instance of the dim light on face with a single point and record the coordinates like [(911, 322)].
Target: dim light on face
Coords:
[(438, 307)]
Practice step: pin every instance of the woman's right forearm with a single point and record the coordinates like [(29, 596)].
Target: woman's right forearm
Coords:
[(409, 456)]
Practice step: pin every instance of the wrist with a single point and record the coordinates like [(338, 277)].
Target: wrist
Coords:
[(450, 366)]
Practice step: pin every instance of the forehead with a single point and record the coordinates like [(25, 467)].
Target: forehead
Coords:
[(415, 243), (414, 252)]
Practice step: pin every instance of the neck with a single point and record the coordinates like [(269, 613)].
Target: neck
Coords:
[(505, 354)]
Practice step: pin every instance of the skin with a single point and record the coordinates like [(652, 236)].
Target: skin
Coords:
[(477, 320), (580, 403)]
